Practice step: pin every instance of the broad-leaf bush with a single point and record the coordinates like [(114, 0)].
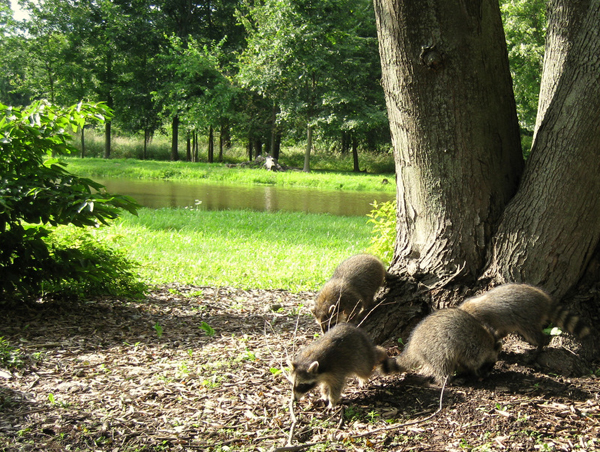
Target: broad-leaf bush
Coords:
[(38, 193)]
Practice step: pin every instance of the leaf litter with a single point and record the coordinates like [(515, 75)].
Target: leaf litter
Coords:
[(202, 368)]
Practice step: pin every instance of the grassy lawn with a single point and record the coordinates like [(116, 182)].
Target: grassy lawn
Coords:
[(244, 249)]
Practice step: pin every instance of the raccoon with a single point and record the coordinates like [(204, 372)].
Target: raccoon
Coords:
[(523, 309), (343, 351), (349, 294), (450, 340)]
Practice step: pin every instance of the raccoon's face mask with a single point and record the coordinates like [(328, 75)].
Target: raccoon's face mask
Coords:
[(302, 388)]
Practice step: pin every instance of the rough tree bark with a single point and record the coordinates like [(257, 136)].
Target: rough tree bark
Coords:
[(461, 222), (551, 228), (454, 129)]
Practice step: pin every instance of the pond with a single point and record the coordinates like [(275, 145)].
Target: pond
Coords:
[(156, 194)]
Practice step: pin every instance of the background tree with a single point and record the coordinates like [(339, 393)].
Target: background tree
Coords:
[(525, 29), (312, 59), (462, 213)]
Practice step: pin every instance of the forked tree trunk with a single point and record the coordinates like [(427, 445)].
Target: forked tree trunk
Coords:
[(458, 160), (551, 229)]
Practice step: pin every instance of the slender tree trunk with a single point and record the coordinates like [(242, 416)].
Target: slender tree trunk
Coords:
[(175, 139), (551, 229), (309, 133), (277, 145), (188, 147), (221, 132), (211, 145), (107, 139), (355, 153), (83, 141)]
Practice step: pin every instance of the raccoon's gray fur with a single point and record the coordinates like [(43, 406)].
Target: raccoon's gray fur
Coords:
[(523, 309), (348, 295), (450, 340), (343, 351)]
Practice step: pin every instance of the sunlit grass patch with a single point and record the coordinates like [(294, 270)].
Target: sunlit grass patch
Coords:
[(293, 251)]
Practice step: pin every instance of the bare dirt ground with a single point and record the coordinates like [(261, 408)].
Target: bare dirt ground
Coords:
[(110, 375)]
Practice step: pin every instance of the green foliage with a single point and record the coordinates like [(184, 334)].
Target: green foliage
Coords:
[(9, 355), (525, 29), (85, 266), (383, 218), (36, 191), (317, 61)]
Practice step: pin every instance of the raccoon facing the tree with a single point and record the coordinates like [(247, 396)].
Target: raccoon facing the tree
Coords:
[(523, 309), (343, 351), (349, 294), (447, 341)]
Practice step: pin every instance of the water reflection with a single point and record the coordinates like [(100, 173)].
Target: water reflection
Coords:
[(156, 194)]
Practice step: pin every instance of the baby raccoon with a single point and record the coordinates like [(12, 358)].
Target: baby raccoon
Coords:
[(343, 351), (348, 295), (450, 340), (523, 309)]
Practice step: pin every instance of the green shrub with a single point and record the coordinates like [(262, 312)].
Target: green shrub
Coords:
[(383, 218), (36, 192), (84, 266)]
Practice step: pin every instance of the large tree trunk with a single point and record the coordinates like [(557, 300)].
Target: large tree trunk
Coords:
[(461, 221), (551, 229), (454, 129)]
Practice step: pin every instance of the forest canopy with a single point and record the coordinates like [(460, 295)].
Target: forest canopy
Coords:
[(255, 72)]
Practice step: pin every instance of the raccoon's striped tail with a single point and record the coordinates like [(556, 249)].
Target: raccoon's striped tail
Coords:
[(562, 318)]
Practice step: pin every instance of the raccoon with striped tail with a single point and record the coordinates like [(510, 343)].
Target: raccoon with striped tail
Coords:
[(523, 309)]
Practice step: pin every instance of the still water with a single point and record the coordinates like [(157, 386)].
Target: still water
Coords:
[(156, 194)]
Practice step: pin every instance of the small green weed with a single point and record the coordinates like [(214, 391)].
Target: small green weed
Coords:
[(275, 371), (210, 332), (9, 355), (159, 329)]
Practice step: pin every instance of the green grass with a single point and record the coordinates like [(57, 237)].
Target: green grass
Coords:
[(245, 249), (220, 173)]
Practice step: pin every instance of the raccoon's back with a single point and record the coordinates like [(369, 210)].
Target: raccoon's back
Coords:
[(446, 339), (510, 307), (343, 349), (362, 271)]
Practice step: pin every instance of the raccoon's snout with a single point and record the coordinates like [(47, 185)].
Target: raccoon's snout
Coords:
[(303, 388)]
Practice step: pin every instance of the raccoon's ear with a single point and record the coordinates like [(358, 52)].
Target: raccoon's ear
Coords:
[(313, 368)]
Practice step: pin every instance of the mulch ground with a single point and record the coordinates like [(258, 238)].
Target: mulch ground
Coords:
[(198, 368)]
